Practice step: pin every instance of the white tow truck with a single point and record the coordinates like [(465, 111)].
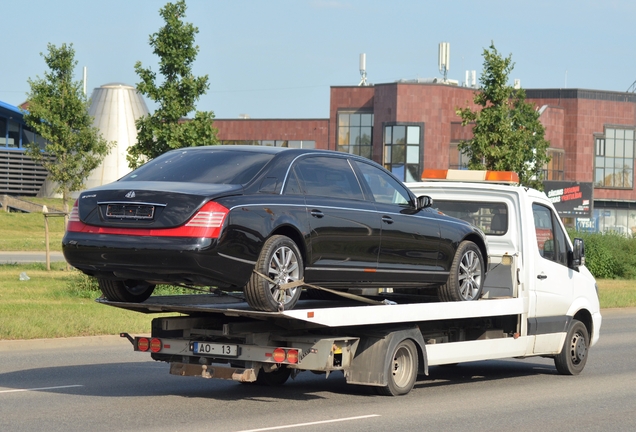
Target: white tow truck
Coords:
[(538, 300)]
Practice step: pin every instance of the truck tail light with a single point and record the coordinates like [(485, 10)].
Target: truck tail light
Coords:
[(292, 356), (155, 345), (143, 344), (284, 355)]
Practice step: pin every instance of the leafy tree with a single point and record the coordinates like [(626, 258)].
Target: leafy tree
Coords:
[(57, 110), (507, 133), (167, 129)]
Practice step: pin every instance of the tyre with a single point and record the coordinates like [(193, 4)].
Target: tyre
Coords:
[(129, 291), (277, 377), (281, 261), (573, 356), (466, 279), (402, 370)]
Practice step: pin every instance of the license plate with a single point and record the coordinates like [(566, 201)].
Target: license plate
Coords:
[(130, 211), (215, 349)]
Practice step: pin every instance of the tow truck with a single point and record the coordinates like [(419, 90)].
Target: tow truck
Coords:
[(539, 299)]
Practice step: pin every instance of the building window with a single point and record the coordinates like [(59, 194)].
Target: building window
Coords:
[(303, 144), (354, 133), (457, 160), (555, 169), (614, 159), (402, 151)]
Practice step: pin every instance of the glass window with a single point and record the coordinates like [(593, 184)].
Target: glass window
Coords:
[(3, 132), (383, 187), (614, 161), (202, 166), (402, 152), (355, 132), (555, 169), (13, 134), (550, 236), (329, 177), (490, 217)]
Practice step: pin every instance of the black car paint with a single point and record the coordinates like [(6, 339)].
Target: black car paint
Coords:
[(350, 251)]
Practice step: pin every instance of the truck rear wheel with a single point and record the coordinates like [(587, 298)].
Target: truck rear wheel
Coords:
[(466, 279), (573, 356), (129, 291), (281, 261), (402, 370)]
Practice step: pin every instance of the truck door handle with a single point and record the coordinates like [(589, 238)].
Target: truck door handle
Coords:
[(387, 219), (317, 213), (542, 276)]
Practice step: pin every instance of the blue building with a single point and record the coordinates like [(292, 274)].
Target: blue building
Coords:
[(19, 174)]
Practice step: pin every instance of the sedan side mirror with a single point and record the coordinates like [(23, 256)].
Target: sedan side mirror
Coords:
[(423, 202)]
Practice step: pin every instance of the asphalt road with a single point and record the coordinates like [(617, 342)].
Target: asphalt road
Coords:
[(100, 384), (28, 257)]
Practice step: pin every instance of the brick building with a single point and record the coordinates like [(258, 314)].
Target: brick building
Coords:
[(411, 125)]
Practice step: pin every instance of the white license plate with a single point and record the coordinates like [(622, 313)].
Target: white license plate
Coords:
[(215, 349)]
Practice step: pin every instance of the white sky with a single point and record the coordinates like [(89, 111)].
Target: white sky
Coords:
[(278, 58)]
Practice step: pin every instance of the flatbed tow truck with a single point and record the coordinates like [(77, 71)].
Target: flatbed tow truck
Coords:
[(538, 300)]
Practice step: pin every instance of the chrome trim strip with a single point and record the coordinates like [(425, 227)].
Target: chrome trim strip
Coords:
[(237, 259), (366, 270), (131, 203)]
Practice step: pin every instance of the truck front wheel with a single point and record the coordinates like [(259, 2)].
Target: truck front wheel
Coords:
[(573, 356), (466, 279), (402, 370)]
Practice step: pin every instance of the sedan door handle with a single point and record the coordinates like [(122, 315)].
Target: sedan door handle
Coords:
[(542, 276), (317, 213), (387, 219)]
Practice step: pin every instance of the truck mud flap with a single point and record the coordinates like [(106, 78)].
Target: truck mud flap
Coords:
[(213, 371)]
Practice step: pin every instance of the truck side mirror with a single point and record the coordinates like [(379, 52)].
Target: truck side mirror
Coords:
[(578, 254)]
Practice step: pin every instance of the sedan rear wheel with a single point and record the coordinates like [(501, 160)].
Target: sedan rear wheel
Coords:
[(281, 261), (129, 291), (466, 279)]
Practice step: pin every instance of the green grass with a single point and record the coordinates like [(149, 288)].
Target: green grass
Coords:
[(46, 307), (25, 232), (61, 303)]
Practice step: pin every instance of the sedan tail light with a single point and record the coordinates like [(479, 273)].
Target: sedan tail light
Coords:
[(206, 223)]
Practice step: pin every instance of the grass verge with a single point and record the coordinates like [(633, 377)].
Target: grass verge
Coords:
[(25, 232), (60, 303)]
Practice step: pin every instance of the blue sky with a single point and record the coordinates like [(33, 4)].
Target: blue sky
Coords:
[(278, 58)]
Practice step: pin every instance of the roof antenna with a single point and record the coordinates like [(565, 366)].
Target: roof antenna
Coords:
[(443, 59)]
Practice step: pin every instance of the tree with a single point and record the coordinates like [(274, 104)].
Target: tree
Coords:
[(166, 128), (507, 133), (57, 110)]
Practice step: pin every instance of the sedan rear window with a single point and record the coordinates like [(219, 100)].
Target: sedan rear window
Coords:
[(490, 217), (213, 167)]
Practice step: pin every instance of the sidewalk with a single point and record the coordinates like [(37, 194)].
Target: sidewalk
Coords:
[(19, 257)]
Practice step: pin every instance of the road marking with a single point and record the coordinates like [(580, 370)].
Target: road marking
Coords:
[(311, 423), (41, 388)]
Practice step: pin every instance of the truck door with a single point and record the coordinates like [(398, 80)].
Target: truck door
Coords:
[(553, 281)]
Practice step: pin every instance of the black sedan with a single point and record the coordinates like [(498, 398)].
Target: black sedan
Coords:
[(256, 218)]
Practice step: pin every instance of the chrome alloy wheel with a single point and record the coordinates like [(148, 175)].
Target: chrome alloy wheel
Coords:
[(283, 268), (469, 275)]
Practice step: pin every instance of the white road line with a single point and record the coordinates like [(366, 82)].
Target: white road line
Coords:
[(41, 388), (311, 423)]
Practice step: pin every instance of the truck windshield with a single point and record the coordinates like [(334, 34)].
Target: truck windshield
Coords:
[(491, 218)]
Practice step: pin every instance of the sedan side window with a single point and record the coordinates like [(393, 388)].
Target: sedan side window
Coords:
[(385, 189), (328, 177)]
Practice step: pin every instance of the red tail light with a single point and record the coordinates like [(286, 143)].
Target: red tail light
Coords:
[(206, 223), (155, 345), (143, 344), (292, 356), (279, 355)]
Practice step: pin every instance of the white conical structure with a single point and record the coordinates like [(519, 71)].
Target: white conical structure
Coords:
[(115, 108)]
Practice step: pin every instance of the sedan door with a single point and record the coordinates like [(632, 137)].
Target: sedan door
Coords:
[(410, 238), (345, 230)]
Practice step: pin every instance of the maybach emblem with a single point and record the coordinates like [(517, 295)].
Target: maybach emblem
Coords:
[(130, 194)]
